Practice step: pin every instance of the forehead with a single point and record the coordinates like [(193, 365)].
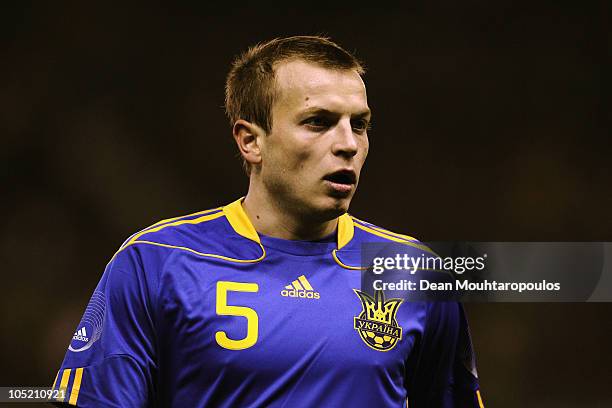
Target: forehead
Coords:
[(301, 84)]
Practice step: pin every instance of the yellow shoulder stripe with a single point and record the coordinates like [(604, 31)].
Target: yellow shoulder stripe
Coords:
[(395, 239), (385, 231), (147, 229), (184, 216), (198, 220), (204, 218), (134, 238), (193, 251)]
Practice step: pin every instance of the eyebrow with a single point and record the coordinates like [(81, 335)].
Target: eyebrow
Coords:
[(317, 109)]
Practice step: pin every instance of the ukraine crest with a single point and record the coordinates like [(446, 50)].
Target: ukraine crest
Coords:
[(376, 324)]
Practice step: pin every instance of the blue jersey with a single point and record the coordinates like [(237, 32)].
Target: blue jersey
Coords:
[(202, 311)]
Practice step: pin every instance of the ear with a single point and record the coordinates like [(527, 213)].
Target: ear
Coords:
[(247, 136)]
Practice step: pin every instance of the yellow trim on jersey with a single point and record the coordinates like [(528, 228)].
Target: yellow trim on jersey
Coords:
[(64, 383), (159, 223), (480, 404), (385, 231), (181, 221), (225, 258), (241, 223), (174, 224), (76, 386), (339, 262), (184, 216), (239, 220), (395, 239), (134, 238), (346, 230), (55, 381)]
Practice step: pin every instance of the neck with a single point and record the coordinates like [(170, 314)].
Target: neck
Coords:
[(271, 218)]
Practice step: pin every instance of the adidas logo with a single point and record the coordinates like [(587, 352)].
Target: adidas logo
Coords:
[(300, 288), (80, 334)]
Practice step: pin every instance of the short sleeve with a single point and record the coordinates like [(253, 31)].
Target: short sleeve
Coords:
[(442, 373), (111, 358)]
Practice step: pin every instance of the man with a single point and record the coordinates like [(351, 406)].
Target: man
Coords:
[(258, 303)]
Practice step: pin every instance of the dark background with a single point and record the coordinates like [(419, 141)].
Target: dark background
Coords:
[(490, 123)]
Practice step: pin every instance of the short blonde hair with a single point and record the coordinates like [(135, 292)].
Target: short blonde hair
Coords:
[(250, 88)]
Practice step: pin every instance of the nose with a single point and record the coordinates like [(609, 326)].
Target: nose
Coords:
[(345, 142)]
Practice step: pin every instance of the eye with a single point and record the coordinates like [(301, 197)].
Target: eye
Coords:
[(361, 125), (317, 123)]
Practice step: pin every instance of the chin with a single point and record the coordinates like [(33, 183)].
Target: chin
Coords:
[(334, 207)]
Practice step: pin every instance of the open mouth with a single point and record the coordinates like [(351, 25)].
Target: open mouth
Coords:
[(344, 177)]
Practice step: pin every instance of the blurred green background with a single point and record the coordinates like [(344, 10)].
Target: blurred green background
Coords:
[(491, 122)]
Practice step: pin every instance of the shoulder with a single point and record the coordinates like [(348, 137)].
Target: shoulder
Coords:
[(180, 229), (368, 233), (371, 232), (363, 240), (205, 233)]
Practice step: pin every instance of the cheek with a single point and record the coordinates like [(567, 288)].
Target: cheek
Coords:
[(285, 159), (302, 159), (366, 148), (363, 153), (292, 156)]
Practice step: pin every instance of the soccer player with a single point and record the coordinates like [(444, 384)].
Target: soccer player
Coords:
[(258, 303)]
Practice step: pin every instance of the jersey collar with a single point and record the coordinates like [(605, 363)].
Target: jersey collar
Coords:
[(241, 223)]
